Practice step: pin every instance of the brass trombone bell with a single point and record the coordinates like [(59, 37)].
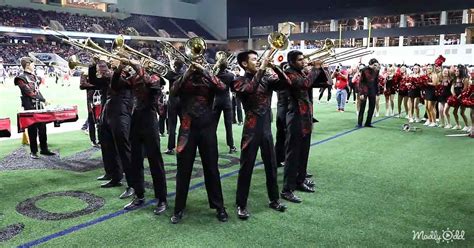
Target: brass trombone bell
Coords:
[(195, 47)]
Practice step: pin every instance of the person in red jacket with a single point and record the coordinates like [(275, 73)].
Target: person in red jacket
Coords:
[(340, 86)]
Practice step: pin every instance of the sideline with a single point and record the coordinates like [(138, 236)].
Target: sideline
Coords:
[(193, 187)]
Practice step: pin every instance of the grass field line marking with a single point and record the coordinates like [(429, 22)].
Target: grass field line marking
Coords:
[(193, 187)]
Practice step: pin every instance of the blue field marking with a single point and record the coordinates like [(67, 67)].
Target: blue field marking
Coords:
[(193, 187)]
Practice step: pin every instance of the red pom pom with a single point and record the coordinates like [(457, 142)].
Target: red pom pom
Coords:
[(469, 102), (440, 60), (453, 101)]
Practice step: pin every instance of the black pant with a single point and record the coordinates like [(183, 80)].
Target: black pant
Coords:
[(280, 133), (202, 137), (145, 133), (171, 123), (351, 91), (321, 93), (236, 109), (162, 120), (261, 138), (35, 130), (297, 153), (368, 121), (227, 122), (115, 146), (91, 121)]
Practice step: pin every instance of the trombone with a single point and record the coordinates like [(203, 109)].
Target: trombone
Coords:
[(147, 61), (87, 45), (352, 53), (325, 52), (172, 53), (328, 56), (277, 41)]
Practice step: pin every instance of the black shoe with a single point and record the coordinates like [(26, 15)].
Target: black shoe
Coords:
[(111, 184), (281, 164), (358, 126), (222, 215), (304, 188), (104, 178), (315, 120), (169, 152), (276, 205), (309, 175), (47, 153), (34, 156), (160, 207), (177, 217), (127, 193), (242, 213), (135, 203), (289, 196), (368, 125), (94, 144), (232, 149), (309, 182)]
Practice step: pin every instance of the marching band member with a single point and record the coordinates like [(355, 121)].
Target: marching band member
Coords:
[(115, 127), (282, 108), (145, 134), (255, 90), (368, 89), (163, 112), (223, 103), (91, 91), (173, 108), (299, 123), (32, 99), (196, 90), (237, 117)]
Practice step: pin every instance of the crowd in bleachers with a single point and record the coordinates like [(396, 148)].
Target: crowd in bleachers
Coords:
[(19, 17), (23, 17)]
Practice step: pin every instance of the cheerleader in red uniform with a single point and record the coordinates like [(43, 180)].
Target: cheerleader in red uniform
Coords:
[(414, 94), (443, 91), (467, 102), (402, 79), (389, 91), (430, 96), (381, 87), (461, 83), (355, 85)]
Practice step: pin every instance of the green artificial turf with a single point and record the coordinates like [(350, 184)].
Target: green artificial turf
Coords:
[(374, 188)]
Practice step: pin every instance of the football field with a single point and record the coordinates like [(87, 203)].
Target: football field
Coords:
[(375, 187)]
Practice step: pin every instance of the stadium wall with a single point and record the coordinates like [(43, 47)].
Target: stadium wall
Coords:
[(212, 15), (165, 8)]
